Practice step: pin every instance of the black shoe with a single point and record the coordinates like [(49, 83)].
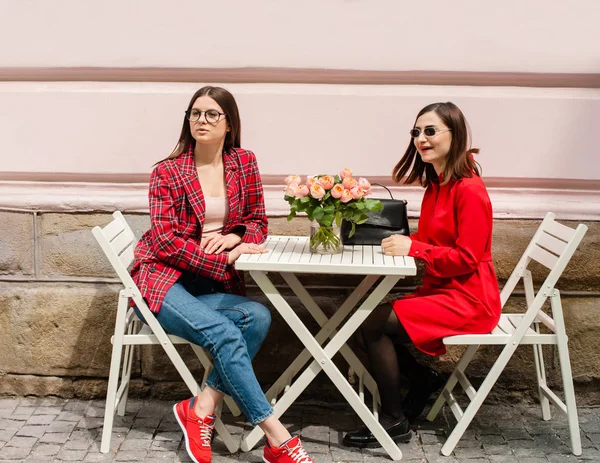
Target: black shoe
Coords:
[(399, 432), (420, 392)]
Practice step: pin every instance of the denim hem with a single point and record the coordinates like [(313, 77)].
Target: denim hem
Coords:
[(262, 418), (213, 385)]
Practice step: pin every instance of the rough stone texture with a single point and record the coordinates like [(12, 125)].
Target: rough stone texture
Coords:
[(25, 385), (56, 329), (55, 337), (511, 237), (68, 248), (16, 243)]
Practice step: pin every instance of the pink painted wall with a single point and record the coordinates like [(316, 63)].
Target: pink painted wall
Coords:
[(124, 127), (475, 35)]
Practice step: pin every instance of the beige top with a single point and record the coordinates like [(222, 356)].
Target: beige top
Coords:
[(215, 215)]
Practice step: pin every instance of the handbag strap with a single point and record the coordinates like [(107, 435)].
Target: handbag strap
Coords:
[(383, 186)]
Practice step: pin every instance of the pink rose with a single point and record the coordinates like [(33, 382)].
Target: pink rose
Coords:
[(326, 182), (345, 173), (317, 191), (349, 183), (301, 191), (293, 179), (337, 190), (310, 180), (357, 192), (364, 184), (346, 196), (290, 190)]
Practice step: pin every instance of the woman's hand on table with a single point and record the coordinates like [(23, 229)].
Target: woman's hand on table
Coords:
[(217, 243), (245, 248), (396, 245)]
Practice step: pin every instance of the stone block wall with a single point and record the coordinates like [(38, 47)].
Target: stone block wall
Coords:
[(58, 297)]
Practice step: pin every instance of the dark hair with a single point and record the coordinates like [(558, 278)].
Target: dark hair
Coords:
[(227, 102), (459, 161)]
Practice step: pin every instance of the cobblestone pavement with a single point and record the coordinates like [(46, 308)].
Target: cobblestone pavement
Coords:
[(54, 430)]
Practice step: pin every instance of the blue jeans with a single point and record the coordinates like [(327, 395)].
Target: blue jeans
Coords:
[(230, 327)]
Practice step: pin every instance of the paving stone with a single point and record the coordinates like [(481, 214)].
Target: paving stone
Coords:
[(135, 444), (14, 453), (91, 423), (131, 455), (165, 445), (6, 434), (32, 431), (78, 443), (55, 437), (516, 434), (61, 426), (491, 439), (40, 419), (561, 458), (9, 403), (71, 415), (71, 455), (94, 412), (48, 410), (22, 413), (150, 433), (497, 449), (45, 450), (76, 405), (97, 457), (26, 442), (162, 456), (11, 424)]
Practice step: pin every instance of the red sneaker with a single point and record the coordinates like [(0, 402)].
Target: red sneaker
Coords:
[(197, 431), (289, 452)]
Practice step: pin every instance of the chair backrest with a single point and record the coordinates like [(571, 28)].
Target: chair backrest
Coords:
[(552, 246), (118, 243)]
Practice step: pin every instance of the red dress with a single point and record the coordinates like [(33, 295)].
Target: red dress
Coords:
[(459, 294)]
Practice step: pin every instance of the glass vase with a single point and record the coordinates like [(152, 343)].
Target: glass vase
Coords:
[(324, 239)]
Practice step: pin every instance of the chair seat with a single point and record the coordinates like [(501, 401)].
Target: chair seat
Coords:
[(501, 335)]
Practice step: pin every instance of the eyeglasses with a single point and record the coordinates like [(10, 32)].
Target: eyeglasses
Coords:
[(212, 116), (427, 131)]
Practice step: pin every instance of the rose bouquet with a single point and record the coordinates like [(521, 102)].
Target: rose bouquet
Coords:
[(327, 200)]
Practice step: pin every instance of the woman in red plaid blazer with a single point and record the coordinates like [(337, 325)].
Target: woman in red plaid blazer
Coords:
[(206, 209)]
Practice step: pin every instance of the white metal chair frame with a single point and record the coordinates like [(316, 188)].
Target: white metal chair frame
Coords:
[(552, 245), (118, 242)]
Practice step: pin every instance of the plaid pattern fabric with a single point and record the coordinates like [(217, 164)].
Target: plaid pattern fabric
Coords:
[(172, 245)]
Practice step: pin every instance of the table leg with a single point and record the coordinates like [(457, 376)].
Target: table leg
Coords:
[(323, 359), (328, 329)]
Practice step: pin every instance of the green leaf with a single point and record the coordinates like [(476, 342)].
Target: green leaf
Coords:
[(351, 234), (338, 218), (373, 205)]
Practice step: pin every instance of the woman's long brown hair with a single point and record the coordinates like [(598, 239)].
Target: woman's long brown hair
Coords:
[(227, 102), (459, 161)]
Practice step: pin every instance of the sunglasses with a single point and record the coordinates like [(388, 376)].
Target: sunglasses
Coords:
[(427, 131)]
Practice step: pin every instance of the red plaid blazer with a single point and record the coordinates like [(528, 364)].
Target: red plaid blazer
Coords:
[(172, 245)]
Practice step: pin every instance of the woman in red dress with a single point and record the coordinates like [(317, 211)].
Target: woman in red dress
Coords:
[(459, 293)]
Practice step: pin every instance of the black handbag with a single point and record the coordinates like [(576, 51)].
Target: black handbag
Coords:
[(391, 220)]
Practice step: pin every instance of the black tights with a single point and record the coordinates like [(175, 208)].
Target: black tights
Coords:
[(386, 339)]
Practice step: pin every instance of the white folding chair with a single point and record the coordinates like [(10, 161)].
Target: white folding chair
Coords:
[(552, 245), (118, 242)]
